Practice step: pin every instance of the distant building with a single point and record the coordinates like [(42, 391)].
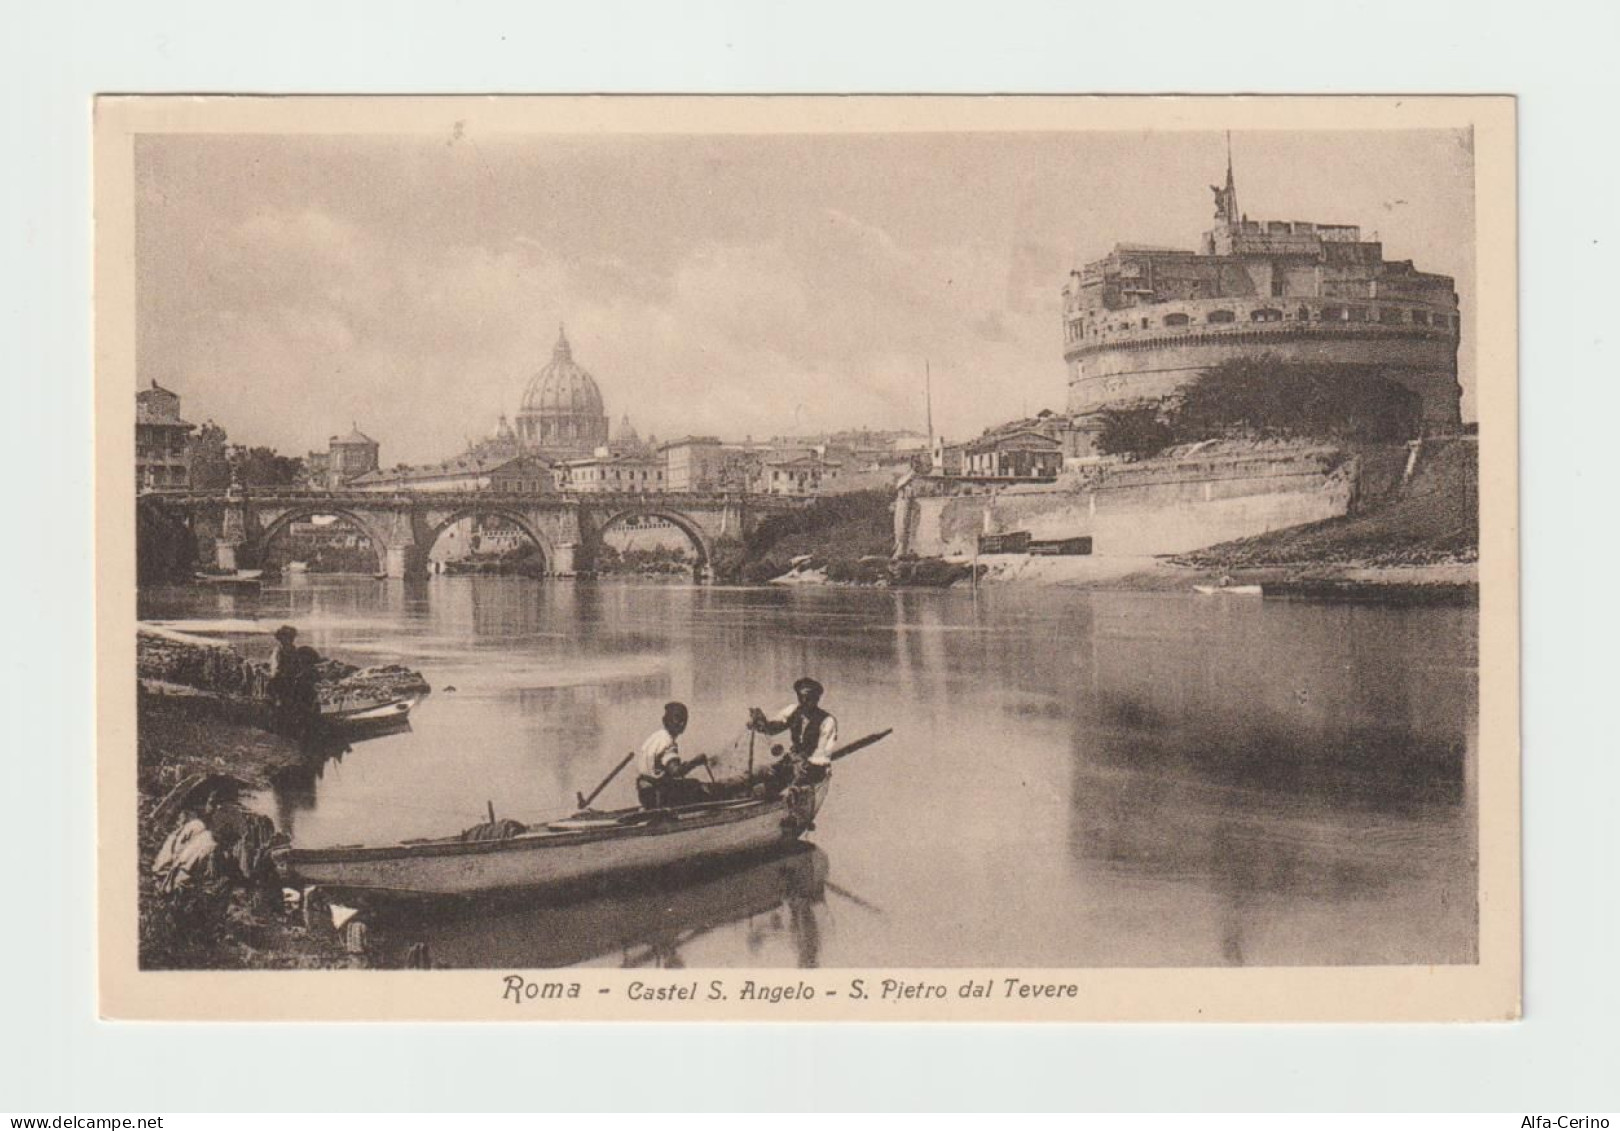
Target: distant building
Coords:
[(695, 463), (628, 442), (610, 472), (948, 458), (523, 475), (162, 455), (1016, 454), (502, 444), (805, 475), (1142, 322), (346, 459)]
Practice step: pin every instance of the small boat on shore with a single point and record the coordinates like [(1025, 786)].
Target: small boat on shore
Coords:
[(1229, 590), (368, 716), (577, 850), (242, 579)]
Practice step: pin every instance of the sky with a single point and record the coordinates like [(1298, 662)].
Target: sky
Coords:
[(289, 286)]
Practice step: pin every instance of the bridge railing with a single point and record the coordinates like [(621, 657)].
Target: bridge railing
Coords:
[(347, 499)]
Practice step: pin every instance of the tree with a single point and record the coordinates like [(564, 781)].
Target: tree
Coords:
[(264, 467), (210, 462), (1267, 396), (1136, 431)]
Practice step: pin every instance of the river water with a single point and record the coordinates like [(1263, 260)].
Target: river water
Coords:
[(1075, 778)]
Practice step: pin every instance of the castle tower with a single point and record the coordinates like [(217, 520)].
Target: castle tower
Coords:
[(1143, 322)]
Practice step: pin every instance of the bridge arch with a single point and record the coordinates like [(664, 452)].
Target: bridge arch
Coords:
[(687, 525), (435, 529), (280, 524)]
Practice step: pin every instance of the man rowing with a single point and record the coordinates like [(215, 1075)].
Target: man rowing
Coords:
[(813, 732), (661, 779)]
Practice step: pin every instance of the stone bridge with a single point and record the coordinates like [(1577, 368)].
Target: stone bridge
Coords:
[(232, 528)]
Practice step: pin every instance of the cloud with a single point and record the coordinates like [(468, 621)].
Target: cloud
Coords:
[(732, 285)]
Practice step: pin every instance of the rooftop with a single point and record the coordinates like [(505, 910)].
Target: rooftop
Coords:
[(355, 436)]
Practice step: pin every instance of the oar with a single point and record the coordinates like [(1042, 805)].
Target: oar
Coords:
[(585, 802), (849, 748), (864, 905)]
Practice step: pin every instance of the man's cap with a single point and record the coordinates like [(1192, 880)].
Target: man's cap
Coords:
[(286, 632), (805, 683), (675, 709)]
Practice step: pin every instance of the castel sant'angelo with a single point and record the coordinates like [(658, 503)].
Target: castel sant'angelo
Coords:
[(1142, 322)]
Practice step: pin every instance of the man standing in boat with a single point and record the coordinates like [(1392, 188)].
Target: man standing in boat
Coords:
[(661, 779), (813, 731)]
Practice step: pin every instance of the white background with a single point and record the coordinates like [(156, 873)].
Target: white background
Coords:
[(1558, 57)]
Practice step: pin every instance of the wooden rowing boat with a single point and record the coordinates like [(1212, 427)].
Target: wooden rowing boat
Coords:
[(1229, 590), (578, 850), (242, 579), (368, 716)]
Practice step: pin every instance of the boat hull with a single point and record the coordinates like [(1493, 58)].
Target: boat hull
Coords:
[(560, 855), (390, 714)]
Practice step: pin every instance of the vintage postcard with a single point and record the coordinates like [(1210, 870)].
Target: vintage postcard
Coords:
[(781, 558)]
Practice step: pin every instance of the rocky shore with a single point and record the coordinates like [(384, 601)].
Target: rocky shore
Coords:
[(173, 664)]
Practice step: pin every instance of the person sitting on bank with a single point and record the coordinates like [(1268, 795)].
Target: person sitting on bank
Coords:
[(661, 779), (814, 732)]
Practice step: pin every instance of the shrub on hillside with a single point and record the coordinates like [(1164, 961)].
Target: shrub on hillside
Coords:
[(1265, 396), (857, 571), (931, 573), (761, 570), (1134, 431)]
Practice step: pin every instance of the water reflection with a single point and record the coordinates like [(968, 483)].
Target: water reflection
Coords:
[(773, 902), (1278, 778), (1075, 779)]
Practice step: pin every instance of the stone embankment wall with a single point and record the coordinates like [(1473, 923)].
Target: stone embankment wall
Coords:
[(1142, 508)]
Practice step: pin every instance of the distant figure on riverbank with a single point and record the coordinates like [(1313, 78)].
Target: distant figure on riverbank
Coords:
[(292, 683)]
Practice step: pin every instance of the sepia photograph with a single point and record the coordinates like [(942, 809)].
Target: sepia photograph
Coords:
[(790, 558)]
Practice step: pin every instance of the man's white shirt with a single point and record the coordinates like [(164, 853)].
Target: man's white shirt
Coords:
[(828, 738), (659, 747)]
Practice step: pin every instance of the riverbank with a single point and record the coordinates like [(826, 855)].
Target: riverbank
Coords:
[(1434, 583), (227, 923), (203, 750)]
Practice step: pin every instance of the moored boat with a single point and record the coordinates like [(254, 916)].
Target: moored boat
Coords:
[(577, 850), (241, 579), (1229, 590), (366, 716)]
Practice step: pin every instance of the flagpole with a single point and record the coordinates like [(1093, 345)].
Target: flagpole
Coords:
[(928, 400)]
